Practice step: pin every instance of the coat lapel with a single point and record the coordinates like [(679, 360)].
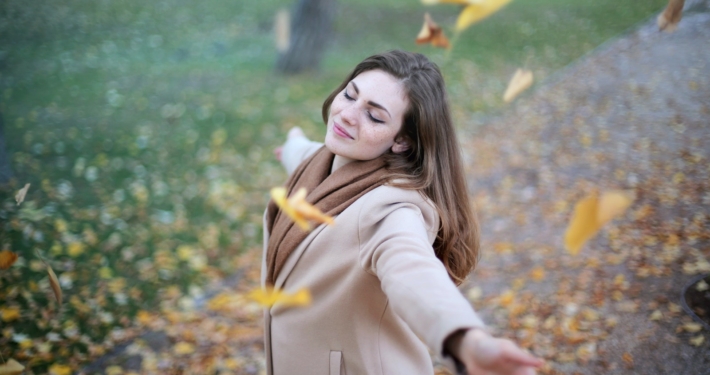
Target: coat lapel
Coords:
[(292, 259)]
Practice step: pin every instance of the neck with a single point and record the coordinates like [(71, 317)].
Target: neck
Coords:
[(338, 162)]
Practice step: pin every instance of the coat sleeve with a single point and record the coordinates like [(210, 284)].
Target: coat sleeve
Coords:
[(296, 150), (396, 238)]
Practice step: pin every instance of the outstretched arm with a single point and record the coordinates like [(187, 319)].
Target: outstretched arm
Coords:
[(483, 354)]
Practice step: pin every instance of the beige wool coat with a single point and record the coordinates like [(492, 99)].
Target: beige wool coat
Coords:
[(380, 295)]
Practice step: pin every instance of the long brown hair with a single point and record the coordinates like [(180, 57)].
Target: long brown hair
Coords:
[(433, 162)]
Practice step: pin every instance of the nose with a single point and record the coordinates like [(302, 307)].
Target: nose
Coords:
[(349, 114)]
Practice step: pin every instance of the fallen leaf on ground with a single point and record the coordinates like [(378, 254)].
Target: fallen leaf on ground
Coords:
[(11, 367), (692, 327), (476, 11), (432, 33), (57, 369), (521, 81), (268, 297), (183, 348), (591, 213), (668, 20), (20, 196), (697, 341), (656, 315), (54, 282), (7, 259), (298, 209), (8, 314)]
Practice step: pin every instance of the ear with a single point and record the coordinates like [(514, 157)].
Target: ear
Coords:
[(400, 145)]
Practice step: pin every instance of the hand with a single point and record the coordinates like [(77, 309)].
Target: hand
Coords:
[(293, 133), (484, 354)]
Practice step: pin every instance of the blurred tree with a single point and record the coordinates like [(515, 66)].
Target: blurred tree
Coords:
[(311, 28)]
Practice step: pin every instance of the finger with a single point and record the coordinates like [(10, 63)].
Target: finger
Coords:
[(513, 353), (277, 153)]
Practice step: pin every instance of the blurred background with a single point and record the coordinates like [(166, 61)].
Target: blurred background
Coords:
[(146, 130)]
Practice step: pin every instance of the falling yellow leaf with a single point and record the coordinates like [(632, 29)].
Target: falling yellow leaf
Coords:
[(702, 286), (20, 196), (183, 348), (270, 296), (54, 282), (114, 370), (298, 209), (57, 369), (282, 30), (612, 204), (432, 33), (591, 213), (697, 341), (7, 259), (477, 11), (521, 81), (668, 20), (8, 314), (11, 367), (458, 2)]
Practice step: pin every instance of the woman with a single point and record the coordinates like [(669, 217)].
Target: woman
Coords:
[(383, 277)]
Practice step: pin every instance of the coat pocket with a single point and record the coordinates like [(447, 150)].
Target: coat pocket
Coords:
[(337, 364)]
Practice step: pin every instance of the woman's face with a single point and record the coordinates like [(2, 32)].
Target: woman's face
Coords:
[(366, 116)]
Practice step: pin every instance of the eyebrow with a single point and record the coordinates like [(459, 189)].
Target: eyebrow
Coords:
[(376, 105)]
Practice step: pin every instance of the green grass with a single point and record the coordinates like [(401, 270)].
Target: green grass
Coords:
[(147, 126)]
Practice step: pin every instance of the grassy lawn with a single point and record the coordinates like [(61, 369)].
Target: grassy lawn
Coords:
[(146, 130)]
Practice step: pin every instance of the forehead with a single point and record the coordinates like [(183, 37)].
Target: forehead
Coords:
[(383, 88)]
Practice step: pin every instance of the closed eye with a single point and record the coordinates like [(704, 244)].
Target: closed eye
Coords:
[(374, 119)]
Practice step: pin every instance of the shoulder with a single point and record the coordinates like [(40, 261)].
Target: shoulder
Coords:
[(387, 200)]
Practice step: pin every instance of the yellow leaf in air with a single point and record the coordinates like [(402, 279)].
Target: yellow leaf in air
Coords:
[(612, 204), (432, 33), (270, 296), (591, 213), (282, 30), (583, 224), (54, 282), (7, 259), (114, 370), (668, 20), (459, 2), (183, 348), (8, 314), (521, 81), (57, 369), (11, 367), (298, 209), (20, 196), (477, 11)]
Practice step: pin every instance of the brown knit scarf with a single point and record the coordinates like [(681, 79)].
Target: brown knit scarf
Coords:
[(331, 193)]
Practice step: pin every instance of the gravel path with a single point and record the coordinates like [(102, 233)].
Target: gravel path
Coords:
[(634, 114)]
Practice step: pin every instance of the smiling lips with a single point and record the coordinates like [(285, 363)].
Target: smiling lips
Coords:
[(341, 132)]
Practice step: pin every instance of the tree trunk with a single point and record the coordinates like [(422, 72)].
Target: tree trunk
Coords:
[(311, 28)]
